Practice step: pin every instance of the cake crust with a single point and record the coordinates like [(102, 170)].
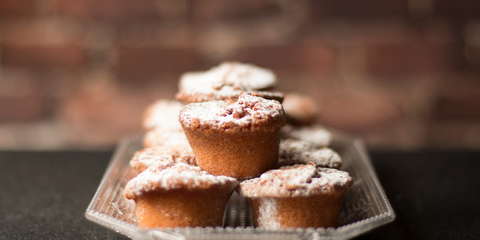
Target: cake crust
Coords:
[(294, 151), (247, 113), (299, 196), (147, 157), (228, 80)]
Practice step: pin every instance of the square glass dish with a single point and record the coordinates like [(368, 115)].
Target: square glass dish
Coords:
[(364, 208)]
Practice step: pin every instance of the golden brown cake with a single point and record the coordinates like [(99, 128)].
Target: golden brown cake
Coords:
[(316, 135), (300, 109), (237, 138), (225, 81), (168, 138), (147, 157), (162, 114), (179, 195), (299, 196), (294, 151)]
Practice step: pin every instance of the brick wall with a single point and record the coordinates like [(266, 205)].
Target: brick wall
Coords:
[(403, 74)]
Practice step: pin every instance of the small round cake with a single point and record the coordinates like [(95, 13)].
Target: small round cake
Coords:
[(168, 138), (162, 114), (316, 135), (299, 196), (147, 157), (227, 80), (179, 195), (237, 138), (300, 109), (301, 152)]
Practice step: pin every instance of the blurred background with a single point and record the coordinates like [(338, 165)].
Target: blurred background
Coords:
[(403, 74)]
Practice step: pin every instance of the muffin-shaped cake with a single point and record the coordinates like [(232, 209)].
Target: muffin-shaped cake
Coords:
[(237, 138), (301, 152), (316, 135), (147, 157), (300, 109), (179, 195), (162, 114), (299, 196), (225, 81), (169, 138)]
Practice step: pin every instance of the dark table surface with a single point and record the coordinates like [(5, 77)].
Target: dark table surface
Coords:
[(44, 195)]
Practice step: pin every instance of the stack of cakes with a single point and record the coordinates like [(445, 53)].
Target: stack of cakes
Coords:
[(228, 131)]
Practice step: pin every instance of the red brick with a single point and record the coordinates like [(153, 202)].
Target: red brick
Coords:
[(206, 10), (358, 113), (42, 32), (297, 57), (104, 106), (457, 9), (16, 8), (363, 9), (32, 107), (461, 108), (454, 135), (67, 56), (473, 57), (150, 60), (412, 58), (108, 9)]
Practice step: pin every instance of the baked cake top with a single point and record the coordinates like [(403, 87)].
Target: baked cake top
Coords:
[(316, 135), (300, 109), (225, 81), (248, 112), (296, 181), (301, 152), (167, 177), (228, 76), (162, 114), (166, 137), (147, 157)]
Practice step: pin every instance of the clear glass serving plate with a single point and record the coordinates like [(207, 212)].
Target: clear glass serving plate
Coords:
[(365, 206)]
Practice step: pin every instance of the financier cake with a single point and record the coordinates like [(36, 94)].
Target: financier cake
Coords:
[(237, 138), (316, 135), (147, 157), (163, 114), (179, 195), (294, 151), (227, 80), (298, 196), (300, 109)]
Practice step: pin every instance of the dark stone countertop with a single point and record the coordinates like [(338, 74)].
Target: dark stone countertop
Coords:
[(44, 195)]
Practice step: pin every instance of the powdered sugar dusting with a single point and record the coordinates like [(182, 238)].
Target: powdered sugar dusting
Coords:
[(172, 176), (316, 135), (161, 155), (267, 213), (296, 181), (301, 152), (228, 77), (162, 114), (248, 111), (163, 137)]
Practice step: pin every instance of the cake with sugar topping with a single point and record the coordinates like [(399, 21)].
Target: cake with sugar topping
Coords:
[(174, 138), (179, 195), (294, 151), (298, 196), (147, 157), (238, 137), (316, 135), (227, 80), (300, 109), (162, 114)]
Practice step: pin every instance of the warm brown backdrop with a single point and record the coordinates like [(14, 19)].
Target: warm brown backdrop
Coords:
[(403, 74)]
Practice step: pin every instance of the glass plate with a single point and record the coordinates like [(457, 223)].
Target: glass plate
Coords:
[(365, 205)]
